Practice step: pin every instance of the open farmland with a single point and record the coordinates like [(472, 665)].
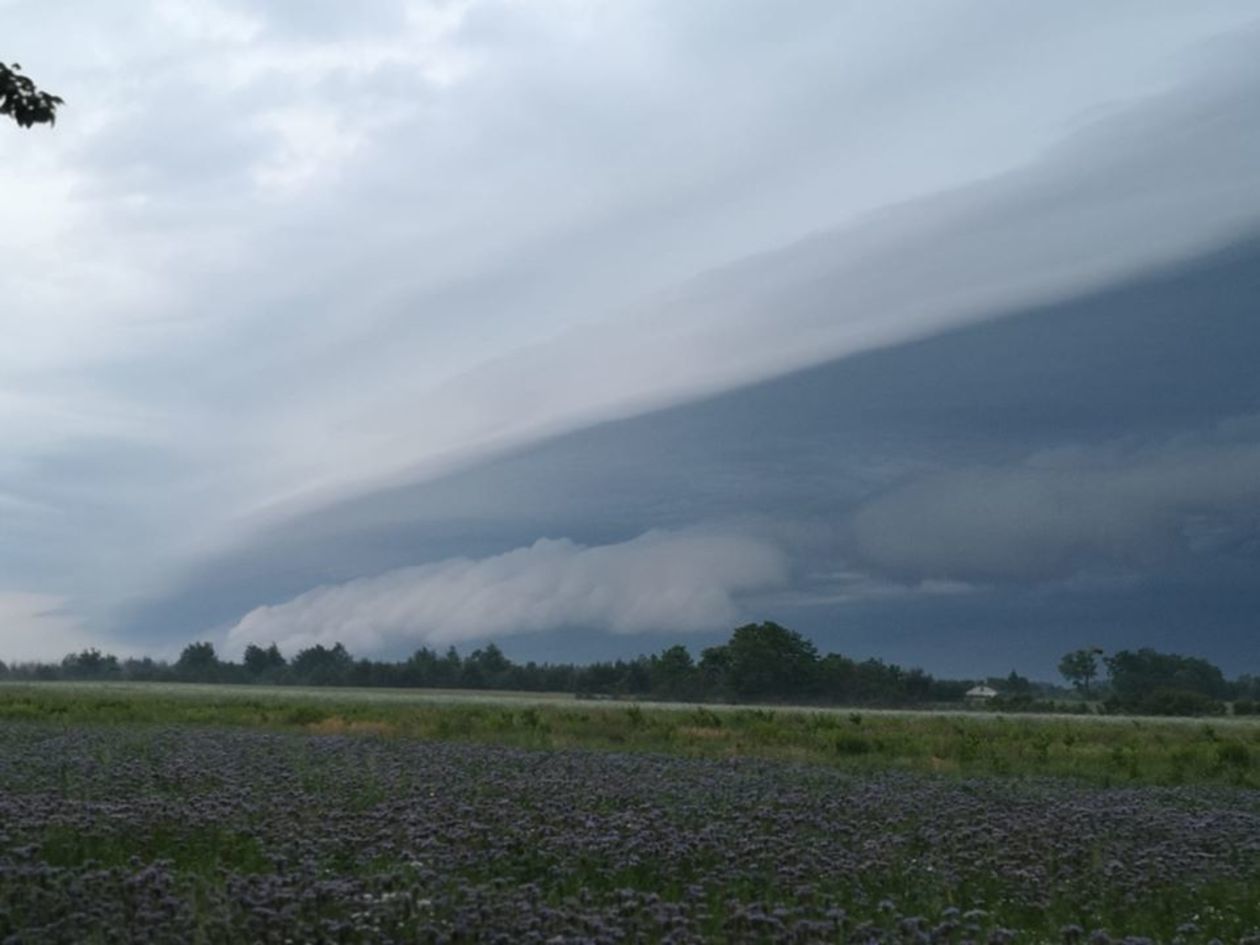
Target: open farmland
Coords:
[(176, 834), (221, 814), (1102, 749)]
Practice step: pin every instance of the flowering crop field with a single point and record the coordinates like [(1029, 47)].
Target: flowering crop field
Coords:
[(144, 833)]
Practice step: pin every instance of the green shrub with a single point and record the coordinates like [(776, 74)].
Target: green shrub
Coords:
[(706, 718), (852, 745), (1233, 755), (304, 715), (1173, 702)]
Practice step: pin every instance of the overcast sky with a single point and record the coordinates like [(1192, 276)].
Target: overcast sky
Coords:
[(285, 275)]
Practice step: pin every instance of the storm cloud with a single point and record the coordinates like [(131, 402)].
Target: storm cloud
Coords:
[(1065, 511), (277, 262), (660, 581)]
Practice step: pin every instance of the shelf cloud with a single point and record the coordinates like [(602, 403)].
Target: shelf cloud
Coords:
[(660, 581), (276, 260)]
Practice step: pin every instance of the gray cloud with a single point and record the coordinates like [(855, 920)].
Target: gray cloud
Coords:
[(677, 582), (1066, 511), (1060, 226), (790, 458), (297, 261)]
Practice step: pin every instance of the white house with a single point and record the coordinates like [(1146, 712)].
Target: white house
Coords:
[(980, 693)]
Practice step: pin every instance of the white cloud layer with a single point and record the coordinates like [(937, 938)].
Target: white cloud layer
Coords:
[(660, 581), (38, 627)]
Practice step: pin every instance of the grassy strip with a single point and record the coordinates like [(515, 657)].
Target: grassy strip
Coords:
[(1133, 751)]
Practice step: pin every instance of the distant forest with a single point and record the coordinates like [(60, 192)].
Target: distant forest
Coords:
[(761, 662)]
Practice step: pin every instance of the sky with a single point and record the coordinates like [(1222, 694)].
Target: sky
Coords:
[(591, 327)]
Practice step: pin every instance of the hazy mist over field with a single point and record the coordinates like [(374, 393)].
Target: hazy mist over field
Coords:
[(928, 329)]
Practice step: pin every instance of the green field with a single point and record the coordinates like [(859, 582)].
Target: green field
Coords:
[(1104, 750), (171, 813)]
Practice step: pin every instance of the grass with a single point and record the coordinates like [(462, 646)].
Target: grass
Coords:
[(1106, 751)]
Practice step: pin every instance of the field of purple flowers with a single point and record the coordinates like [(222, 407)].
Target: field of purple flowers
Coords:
[(141, 834)]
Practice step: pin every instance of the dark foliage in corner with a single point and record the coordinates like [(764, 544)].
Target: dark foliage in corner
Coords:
[(23, 101)]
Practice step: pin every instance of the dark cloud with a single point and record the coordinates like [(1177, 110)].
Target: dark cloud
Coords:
[(1094, 450), (1056, 515)]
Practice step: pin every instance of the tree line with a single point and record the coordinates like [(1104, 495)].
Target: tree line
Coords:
[(1147, 682), (762, 662)]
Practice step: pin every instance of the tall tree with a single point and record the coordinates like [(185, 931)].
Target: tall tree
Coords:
[(258, 662), (674, 672), (90, 664), (198, 662), (23, 101), (767, 660), (1080, 668), (322, 666), (1136, 675)]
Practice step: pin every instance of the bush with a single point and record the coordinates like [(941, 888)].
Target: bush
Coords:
[(1233, 755), (706, 718), (1175, 702), (304, 715), (852, 745)]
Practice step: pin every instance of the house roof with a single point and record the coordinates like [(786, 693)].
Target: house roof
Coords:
[(981, 692)]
